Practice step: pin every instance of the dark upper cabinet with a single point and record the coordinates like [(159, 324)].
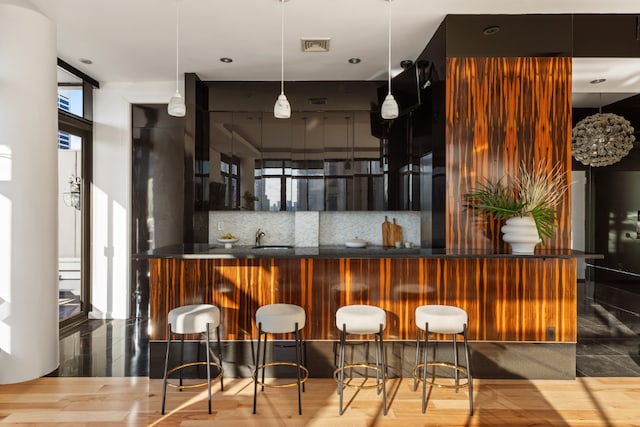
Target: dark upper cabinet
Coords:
[(606, 36), (509, 35), (332, 154)]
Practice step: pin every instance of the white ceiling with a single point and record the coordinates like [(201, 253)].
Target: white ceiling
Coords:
[(134, 40), (622, 80)]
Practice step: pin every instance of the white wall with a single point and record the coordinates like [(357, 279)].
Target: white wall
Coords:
[(110, 293)]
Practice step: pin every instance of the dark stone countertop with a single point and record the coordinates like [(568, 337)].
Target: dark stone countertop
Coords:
[(218, 251)]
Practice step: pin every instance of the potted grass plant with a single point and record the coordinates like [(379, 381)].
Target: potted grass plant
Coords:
[(527, 204)]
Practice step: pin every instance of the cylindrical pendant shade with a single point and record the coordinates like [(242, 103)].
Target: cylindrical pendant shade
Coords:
[(176, 107), (282, 109), (389, 108)]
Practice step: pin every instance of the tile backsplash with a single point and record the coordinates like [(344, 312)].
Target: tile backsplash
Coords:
[(311, 228), (278, 227), (337, 227)]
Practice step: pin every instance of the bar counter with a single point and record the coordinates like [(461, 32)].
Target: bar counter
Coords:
[(203, 251), (521, 299)]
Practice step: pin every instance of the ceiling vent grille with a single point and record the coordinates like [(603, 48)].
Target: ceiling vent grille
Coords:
[(318, 101), (315, 44)]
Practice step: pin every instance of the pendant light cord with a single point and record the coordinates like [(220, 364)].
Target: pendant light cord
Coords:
[(177, 40), (389, 38), (600, 106), (282, 47)]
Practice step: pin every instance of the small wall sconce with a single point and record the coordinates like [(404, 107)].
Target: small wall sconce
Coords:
[(71, 198)]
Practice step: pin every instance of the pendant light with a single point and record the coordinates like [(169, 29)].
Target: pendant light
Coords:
[(282, 109), (602, 139), (389, 108), (176, 107)]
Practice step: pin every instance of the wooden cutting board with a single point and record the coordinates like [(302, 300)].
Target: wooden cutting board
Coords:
[(396, 233), (386, 233)]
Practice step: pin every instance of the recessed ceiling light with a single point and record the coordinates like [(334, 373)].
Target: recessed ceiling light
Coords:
[(85, 61), (354, 60), (226, 60), (489, 31), (596, 81)]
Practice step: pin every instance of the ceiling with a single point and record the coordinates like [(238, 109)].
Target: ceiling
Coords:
[(135, 40)]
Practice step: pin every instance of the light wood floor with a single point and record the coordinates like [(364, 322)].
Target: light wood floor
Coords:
[(136, 402)]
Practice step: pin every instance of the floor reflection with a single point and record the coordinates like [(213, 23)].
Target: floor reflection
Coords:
[(608, 330), (105, 348)]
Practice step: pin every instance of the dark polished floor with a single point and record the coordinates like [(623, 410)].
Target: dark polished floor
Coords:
[(608, 330), (608, 339), (104, 348)]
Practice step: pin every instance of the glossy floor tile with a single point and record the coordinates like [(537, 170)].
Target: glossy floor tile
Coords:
[(608, 330), (105, 348)]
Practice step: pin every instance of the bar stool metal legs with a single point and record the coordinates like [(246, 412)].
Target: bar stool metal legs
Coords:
[(193, 319), (469, 377), (442, 320), (379, 367), (363, 320), (280, 318)]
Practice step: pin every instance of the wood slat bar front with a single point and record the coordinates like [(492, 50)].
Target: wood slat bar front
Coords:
[(508, 299)]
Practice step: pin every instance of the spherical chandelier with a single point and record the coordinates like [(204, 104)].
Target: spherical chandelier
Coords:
[(602, 139)]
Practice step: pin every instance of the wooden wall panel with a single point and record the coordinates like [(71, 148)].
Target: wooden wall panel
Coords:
[(507, 299), (501, 111)]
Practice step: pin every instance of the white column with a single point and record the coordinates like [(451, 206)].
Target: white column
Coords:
[(28, 194)]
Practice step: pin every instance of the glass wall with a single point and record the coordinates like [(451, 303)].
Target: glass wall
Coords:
[(314, 161), (74, 178)]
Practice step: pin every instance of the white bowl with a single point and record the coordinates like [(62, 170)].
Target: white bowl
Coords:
[(356, 243), (228, 243), (227, 240)]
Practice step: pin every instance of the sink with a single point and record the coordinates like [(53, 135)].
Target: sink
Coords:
[(273, 247)]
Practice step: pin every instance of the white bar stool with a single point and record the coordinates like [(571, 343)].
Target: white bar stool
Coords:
[(362, 320), (280, 319), (448, 320), (193, 319)]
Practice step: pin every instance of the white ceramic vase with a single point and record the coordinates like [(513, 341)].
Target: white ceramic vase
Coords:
[(521, 233)]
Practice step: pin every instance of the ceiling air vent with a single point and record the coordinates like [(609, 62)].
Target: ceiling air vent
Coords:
[(318, 101), (315, 44)]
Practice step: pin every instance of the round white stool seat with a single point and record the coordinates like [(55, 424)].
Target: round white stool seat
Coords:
[(280, 318), (193, 319), (442, 319), (361, 319)]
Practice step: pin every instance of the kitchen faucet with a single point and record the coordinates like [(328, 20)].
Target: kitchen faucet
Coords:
[(259, 235)]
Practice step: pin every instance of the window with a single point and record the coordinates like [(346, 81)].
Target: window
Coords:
[(230, 171), (319, 185), (74, 183), (70, 93)]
